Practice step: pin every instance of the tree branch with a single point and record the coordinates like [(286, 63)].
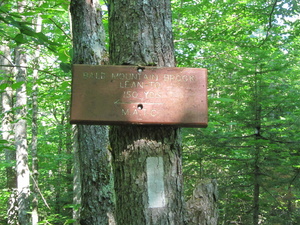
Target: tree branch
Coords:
[(270, 22), (59, 27)]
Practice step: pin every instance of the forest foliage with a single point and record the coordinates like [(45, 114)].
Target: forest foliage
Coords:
[(251, 51)]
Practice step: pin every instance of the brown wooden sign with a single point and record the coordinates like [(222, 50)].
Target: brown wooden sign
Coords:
[(139, 95)]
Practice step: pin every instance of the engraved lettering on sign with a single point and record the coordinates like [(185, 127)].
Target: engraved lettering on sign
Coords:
[(154, 84), (91, 75), (139, 112), (126, 76), (127, 112), (154, 113), (139, 95), (131, 84), (151, 77), (151, 94), (179, 78), (130, 94), (138, 88)]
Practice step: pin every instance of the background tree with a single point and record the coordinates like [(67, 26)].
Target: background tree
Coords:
[(7, 136), (20, 132), (92, 141), (34, 131)]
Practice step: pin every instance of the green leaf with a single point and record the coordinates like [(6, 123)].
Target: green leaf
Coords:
[(3, 86), (20, 39), (17, 85), (66, 67)]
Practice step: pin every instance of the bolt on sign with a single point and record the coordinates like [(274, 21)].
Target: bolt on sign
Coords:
[(147, 95)]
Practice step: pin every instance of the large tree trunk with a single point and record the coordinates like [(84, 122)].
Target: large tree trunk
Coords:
[(7, 120), (146, 159), (92, 141)]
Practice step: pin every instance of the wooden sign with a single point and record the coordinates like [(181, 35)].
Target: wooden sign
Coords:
[(139, 95)]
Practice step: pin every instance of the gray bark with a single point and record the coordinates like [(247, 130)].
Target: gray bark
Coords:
[(7, 127), (21, 140), (141, 34), (76, 182), (132, 148), (202, 208), (20, 131), (92, 141), (34, 131)]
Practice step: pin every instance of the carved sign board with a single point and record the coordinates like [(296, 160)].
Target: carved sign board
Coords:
[(139, 95)]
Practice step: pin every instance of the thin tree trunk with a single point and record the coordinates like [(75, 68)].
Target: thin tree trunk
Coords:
[(76, 182), (256, 196), (20, 129), (146, 159), (7, 127), (256, 182), (34, 131), (257, 147), (92, 141), (21, 140), (58, 188), (68, 145)]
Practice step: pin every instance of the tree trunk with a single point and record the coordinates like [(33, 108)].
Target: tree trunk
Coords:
[(257, 148), (146, 159), (34, 131), (256, 181), (76, 184), (21, 140), (256, 196), (202, 208), (92, 141), (7, 120), (20, 129)]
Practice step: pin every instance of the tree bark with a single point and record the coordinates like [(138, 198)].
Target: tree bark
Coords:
[(256, 191), (202, 208), (34, 131), (21, 140), (146, 159), (133, 148), (257, 111), (76, 183), (20, 130), (92, 141), (7, 127)]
